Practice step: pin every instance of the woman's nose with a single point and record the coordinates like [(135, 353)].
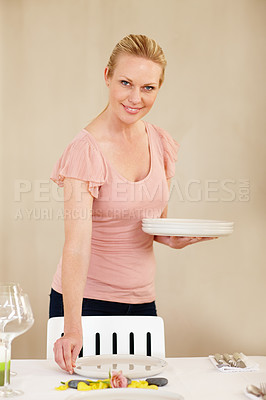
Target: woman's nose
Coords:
[(135, 96)]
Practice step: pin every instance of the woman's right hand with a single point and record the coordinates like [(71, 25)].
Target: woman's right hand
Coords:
[(66, 351), (75, 263)]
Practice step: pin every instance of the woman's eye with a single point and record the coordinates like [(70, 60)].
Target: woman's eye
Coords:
[(125, 83), (148, 88)]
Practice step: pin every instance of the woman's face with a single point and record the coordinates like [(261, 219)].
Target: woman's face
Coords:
[(133, 87)]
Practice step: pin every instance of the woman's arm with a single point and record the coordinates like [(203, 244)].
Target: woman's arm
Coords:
[(76, 257)]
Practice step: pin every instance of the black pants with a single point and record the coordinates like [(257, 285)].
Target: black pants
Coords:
[(101, 307)]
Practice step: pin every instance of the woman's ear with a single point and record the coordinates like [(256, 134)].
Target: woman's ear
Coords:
[(106, 78)]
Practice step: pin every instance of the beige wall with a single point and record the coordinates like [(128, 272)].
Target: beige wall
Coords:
[(212, 296)]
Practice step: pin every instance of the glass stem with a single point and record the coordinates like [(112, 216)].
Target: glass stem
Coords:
[(7, 345)]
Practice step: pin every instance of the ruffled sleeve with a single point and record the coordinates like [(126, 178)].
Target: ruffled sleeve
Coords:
[(170, 150), (81, 160)]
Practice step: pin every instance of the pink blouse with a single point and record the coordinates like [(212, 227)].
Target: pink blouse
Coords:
[(122, 263)]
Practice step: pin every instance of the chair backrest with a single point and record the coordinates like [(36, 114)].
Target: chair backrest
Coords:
[(139, 335)]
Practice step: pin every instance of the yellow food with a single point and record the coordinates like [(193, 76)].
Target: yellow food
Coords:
[(62, 387), (105, 384), (142, 385), (83, 386)]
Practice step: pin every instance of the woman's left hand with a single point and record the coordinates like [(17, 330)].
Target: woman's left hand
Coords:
[(179, 242)]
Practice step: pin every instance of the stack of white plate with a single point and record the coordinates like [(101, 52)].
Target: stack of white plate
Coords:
[(187, 227)]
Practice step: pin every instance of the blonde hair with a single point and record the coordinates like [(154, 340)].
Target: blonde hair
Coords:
[(140, 46)]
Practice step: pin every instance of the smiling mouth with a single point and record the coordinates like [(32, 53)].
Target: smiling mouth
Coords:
[(131, 110)]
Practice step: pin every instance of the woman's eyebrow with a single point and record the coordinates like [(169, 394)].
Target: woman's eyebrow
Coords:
[(145, 84)]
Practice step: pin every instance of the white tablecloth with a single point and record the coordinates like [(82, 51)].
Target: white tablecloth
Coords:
[(194, 378)]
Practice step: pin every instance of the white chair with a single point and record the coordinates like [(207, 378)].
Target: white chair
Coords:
[(139, 335)]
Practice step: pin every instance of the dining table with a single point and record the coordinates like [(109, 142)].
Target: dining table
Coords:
[(194, 378)]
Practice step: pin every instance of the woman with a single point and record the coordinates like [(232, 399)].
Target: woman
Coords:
[(115, 172)]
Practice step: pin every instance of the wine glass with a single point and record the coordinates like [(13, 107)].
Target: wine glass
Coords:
[(15, 318)]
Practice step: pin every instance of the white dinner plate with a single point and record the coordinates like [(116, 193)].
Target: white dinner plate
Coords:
[(127, 394), (132, 366), (187, 232), (194, 227), (185, 221)]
